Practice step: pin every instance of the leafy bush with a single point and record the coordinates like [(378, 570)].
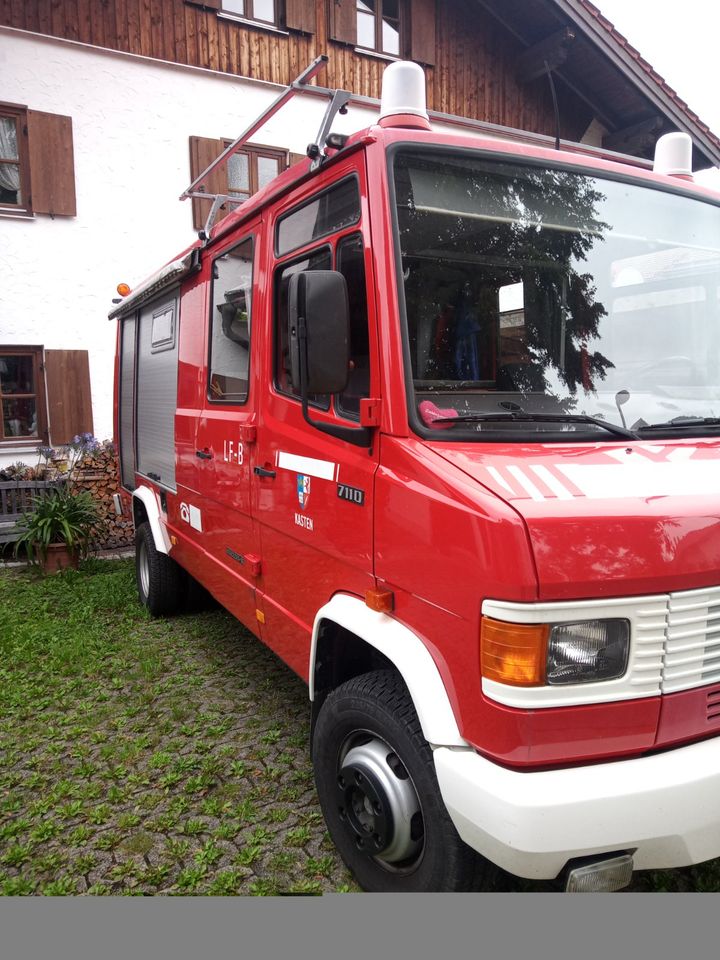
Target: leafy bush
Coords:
[(60, 517)]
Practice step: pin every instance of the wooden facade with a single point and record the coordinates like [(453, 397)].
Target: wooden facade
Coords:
[(473, 70)]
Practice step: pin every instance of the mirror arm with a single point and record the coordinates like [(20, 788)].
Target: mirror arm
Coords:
[(360, 436)]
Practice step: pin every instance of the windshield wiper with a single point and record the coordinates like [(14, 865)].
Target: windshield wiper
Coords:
[(679, 423), (542, 418)]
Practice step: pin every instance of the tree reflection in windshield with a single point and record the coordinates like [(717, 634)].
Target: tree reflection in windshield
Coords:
[(516, 285)]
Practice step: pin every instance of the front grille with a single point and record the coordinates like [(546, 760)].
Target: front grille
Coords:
[(692, 646)]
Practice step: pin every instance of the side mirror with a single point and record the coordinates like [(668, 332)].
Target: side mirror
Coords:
[(235, 317), (319, 331), (319, 344)]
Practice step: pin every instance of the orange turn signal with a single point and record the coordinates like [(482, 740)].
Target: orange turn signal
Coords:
[(380, 600), (514, 653), (123, 289)]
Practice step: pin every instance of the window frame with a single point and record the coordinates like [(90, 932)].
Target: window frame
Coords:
[(330, 243), (18, 113), (254, 152), (378, 49), (222, 401), (306, 202), (248, 14), (37, 354)]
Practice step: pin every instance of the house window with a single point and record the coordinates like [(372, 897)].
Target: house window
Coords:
[(21, 398), (37, 173), (44, 396), (242, 174), (378, 26), (252, 169), (14, 191), (264, 11)]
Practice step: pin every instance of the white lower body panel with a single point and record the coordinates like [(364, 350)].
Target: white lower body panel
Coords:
[(666, 807)]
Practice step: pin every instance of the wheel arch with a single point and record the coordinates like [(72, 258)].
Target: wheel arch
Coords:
[(146, 508), (349, 639)]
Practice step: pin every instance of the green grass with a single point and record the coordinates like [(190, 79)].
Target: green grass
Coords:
[(130, 747), (160, 756)]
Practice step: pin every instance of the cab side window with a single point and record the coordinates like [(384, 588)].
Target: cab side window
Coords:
[(332, 214), (350, 261), (320, 259), (230, 325)]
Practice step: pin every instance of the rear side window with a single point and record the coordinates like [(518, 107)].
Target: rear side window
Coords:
[(230, 325), (326, 213)]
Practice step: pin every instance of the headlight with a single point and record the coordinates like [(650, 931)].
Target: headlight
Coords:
[(588, 652), (539, 654)]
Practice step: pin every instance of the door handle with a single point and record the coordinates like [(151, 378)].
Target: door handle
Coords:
[(262, 472), (203, 454)]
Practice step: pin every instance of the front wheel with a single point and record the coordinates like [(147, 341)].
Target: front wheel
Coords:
[(379, 793)]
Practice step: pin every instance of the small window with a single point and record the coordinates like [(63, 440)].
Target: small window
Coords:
[(242, 174), (378, 26), (13, 179), (317, 260), (332, 210), (264, 11), (42, 144), (253, 168), (230, 325), (351, 263), (20, 394), (163, 330)]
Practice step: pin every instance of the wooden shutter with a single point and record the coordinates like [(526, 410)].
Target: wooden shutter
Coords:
[(52, 169), (67, 377), (422, 31), (202, 153), (300, 15), (294, 158), (343, 21)]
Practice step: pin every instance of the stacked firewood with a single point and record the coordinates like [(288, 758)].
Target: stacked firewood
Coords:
[(97, 472)]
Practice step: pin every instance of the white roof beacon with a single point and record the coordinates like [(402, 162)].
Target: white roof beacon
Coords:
[(673, 156), (403, 102)]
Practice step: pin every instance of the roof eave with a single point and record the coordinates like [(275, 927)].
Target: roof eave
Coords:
[(578, 13)]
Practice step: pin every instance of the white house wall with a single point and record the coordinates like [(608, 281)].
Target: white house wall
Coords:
[(132, 118)]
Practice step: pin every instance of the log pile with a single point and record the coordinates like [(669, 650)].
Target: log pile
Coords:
[(97, 472)]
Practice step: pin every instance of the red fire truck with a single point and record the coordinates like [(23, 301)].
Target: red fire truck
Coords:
[(436, 415)]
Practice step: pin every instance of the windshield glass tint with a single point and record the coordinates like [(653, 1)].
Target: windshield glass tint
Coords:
[(533, 292)]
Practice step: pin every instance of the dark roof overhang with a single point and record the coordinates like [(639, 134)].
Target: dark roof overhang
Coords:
[(630, 99)]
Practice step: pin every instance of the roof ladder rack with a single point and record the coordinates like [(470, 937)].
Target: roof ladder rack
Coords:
[(194, 191)]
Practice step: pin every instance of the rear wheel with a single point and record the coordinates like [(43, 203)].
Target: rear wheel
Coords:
[(378, 790), (159, 578)]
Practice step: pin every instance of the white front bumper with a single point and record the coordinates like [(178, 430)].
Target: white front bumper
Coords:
[(666, 807)]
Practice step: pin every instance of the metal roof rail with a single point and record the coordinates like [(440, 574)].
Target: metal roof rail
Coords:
[(339, 101), (193, 191)]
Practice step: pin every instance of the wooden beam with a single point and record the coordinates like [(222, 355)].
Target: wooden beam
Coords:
[(642, 132), (552, 51)]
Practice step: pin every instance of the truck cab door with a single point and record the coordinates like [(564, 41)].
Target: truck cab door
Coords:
[(313, 495), (222, 519)]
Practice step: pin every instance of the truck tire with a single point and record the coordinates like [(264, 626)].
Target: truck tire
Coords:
[(159, 578), (378, 790)]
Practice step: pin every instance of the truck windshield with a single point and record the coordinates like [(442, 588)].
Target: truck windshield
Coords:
[(540, 301)]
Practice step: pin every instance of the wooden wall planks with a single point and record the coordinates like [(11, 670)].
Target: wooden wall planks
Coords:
[(474, 72)]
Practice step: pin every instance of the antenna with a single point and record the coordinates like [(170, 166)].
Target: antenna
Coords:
[(555, 104)]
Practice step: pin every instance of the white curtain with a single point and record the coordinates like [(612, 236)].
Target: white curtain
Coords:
[(9, 172)]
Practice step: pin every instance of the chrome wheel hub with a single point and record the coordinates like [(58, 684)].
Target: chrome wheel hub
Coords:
[(144, 569), (378, 803)]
